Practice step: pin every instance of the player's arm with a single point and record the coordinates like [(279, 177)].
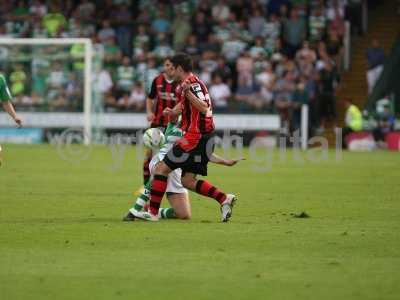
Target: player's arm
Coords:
[(224, 161), (5, 99), (149, 109), (150, 101), (9, 108), (173, 112), (199, 104)]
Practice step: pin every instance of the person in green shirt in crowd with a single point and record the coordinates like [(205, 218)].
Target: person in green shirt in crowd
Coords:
[(17, 79), (125, 76), (54, 20), (5, 99)]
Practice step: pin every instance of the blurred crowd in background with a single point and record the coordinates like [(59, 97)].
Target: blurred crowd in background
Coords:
[(265, 56)]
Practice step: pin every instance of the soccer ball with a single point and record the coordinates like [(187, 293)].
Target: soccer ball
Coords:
[(153, 138)]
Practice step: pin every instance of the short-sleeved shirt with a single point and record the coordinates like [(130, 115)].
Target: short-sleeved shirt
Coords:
[(5, 94), (194, 123), (163, 91)]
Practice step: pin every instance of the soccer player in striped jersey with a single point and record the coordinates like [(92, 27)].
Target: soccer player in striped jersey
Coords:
[(177, 195), (191, 153), (161, 96), (5, 99)]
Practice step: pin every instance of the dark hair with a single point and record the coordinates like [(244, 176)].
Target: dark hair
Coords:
[(183, 60)]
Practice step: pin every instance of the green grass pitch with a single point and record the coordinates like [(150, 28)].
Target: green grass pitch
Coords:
[(61, 235)]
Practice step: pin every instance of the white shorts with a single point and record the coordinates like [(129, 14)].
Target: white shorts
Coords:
[(174, 184)]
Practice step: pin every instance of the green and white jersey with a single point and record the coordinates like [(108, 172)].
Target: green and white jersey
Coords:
[(5, 94), (172, 134)]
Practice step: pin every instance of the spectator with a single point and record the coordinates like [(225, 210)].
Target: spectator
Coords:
[(18, 80), (103, 82), (266, 80), (18, 24), (306, 54), (375, 59), (247, 93), (77, 53), (56, 84), (151, 72), (163, 49), (294, 32), (220, 94), (73, 92), (328, 80), (271, 30), (192, 46), (232, 48), (305, 59), (38, 31), (77, 27), (181, 30), (222, 31), (141, 41), (256, 24), (317, 24), (220, 11), (201, 28), (54, 21), (106, 32), (284, 92), (224, 70), (212, 46), (122, 20), (161, 24), (86, 10), (125, 76), (241, 9), (335, 14), (274, 6), (103, 85), (38, 9), (205, 73), (137, 98), (258, 50), (334, 47), (245, 65), (112, 54)]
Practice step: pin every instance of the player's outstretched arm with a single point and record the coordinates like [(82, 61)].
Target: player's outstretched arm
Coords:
[(224, 161), (9, 108)]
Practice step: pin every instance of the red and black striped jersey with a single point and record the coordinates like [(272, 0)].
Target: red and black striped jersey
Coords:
[(163, 91), (193, 121)]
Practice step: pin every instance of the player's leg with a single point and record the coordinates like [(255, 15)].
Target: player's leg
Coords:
[(178, 198), (206, 189), (146, 168), (141, 201), (157, 191), (180, 207)]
